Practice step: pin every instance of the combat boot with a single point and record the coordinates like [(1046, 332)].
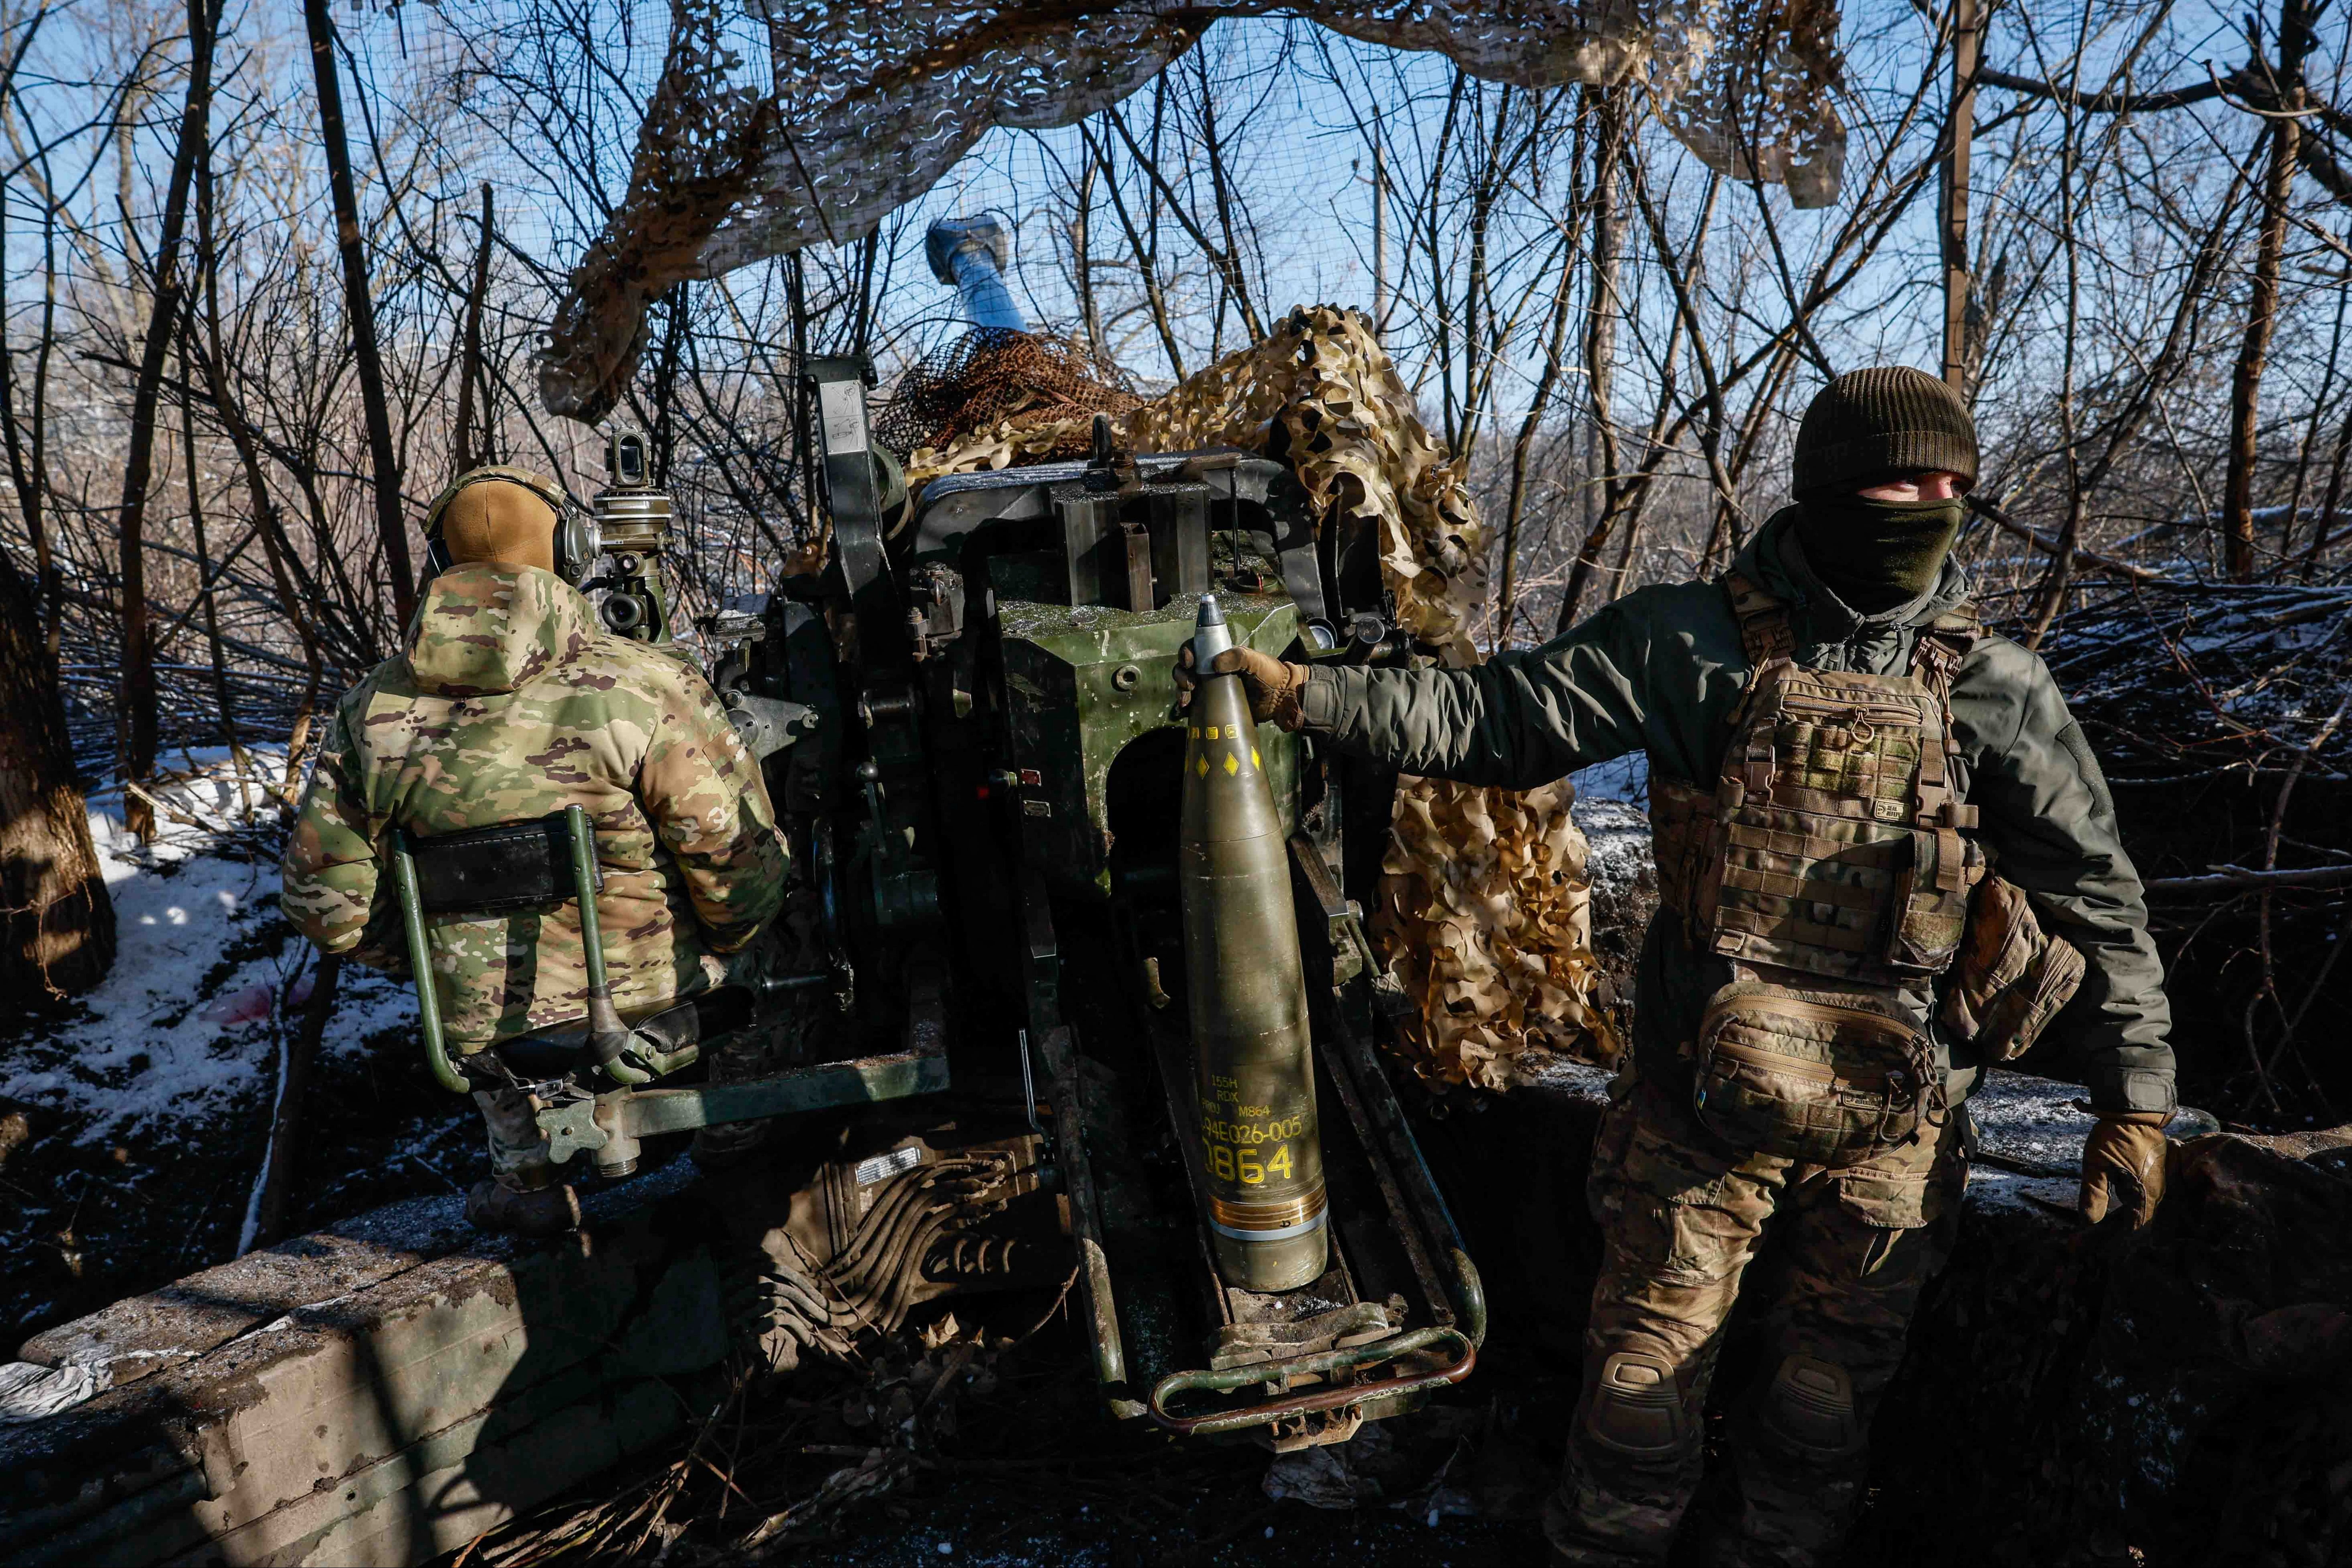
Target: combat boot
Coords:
[(1574, 1546), (548, 1211)]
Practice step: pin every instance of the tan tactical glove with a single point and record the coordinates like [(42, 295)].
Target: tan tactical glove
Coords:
[(2123, 1166), (1273, 686)]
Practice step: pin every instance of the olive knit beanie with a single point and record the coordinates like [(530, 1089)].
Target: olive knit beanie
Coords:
[(1869, 425)]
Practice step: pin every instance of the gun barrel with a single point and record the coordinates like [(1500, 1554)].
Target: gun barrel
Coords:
[(1261, 1152)]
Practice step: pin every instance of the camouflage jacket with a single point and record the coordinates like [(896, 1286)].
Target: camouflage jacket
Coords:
[(509, 705), (1661, 671)]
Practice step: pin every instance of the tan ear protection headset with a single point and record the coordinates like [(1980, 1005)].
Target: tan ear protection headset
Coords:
[(578, 539)]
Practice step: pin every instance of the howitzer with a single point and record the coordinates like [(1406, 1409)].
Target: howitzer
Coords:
[(1100, 973)]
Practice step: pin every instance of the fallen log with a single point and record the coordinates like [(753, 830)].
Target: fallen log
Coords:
[(2007, 524), (2246, 879)]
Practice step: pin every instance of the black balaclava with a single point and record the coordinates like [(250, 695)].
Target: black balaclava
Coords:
[(1863, 429), (1875, 555)]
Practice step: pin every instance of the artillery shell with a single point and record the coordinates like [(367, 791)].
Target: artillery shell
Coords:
[(1260, 1151)]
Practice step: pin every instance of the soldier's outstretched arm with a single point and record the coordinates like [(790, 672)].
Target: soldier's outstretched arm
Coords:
[(1518, 720), (705, 795), (2051, 825), (332, 864)]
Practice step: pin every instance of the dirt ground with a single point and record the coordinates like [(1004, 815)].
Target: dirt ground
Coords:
[(1027, 1469)]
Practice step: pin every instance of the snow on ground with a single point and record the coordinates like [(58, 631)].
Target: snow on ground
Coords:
[(1611, 808), (206, 974), (136, 1117)]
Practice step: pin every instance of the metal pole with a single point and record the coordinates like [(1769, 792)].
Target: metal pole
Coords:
[(607, 1036), (1966, 37), (420, 967)]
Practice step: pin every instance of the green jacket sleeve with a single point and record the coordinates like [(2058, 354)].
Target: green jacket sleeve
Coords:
[(2051, 822), (1519, 720)]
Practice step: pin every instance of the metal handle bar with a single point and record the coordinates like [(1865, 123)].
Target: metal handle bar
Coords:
[(1339, 1397)]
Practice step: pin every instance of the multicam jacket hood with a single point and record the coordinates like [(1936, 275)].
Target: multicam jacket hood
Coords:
[(510, 705)]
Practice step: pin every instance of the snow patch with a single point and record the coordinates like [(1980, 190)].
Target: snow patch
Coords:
[(208, 975), (1610, 798)]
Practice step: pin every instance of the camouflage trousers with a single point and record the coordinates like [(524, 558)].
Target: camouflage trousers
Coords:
[(1836, 1259)]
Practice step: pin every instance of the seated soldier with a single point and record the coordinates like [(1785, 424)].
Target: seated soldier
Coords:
[(508, 704)]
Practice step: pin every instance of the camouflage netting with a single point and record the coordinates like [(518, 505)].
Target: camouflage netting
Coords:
[(1484, 912), (1486, 919), (869, 105), (998, 384)]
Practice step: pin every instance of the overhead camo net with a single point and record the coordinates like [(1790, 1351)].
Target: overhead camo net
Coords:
[(870, 105), (1484, 913), (1349, 432)]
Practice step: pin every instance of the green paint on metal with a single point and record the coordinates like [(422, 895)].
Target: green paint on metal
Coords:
[(584, 891), (627, 1115), (1085, 682), (420, 967), (647, 1112)]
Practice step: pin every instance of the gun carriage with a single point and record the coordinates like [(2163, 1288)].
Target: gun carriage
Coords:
[(1036, 1021)]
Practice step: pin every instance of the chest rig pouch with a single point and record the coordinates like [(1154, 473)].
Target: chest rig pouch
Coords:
[(1833, 866)]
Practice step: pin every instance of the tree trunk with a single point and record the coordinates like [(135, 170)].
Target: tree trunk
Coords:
[(392, 530), (275, 545), (1523, 449), (138, 638), (2253, 353), (472, 452), (207, 582), (1966, 40), (1380, 228), (56, 925), (1601, 308)]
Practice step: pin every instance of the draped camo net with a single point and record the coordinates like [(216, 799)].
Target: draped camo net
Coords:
[(1000, 384), (1484, 913), (870, 104)]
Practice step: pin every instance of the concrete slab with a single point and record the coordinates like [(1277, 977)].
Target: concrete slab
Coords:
[(378, 1393)]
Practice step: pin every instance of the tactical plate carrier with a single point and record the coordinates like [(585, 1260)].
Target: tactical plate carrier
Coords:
[(1835, 864)]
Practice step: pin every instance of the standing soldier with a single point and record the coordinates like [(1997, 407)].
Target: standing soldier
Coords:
[(1865, 809), (510, 704)]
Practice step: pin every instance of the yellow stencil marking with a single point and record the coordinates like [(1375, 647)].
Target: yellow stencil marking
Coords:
[(1233, 765), (1255, 761), (1200, 766)]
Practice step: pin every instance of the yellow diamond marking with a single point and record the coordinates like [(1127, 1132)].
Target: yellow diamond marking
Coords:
[(1256, 760), (1233, 764), (1200, 766)]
